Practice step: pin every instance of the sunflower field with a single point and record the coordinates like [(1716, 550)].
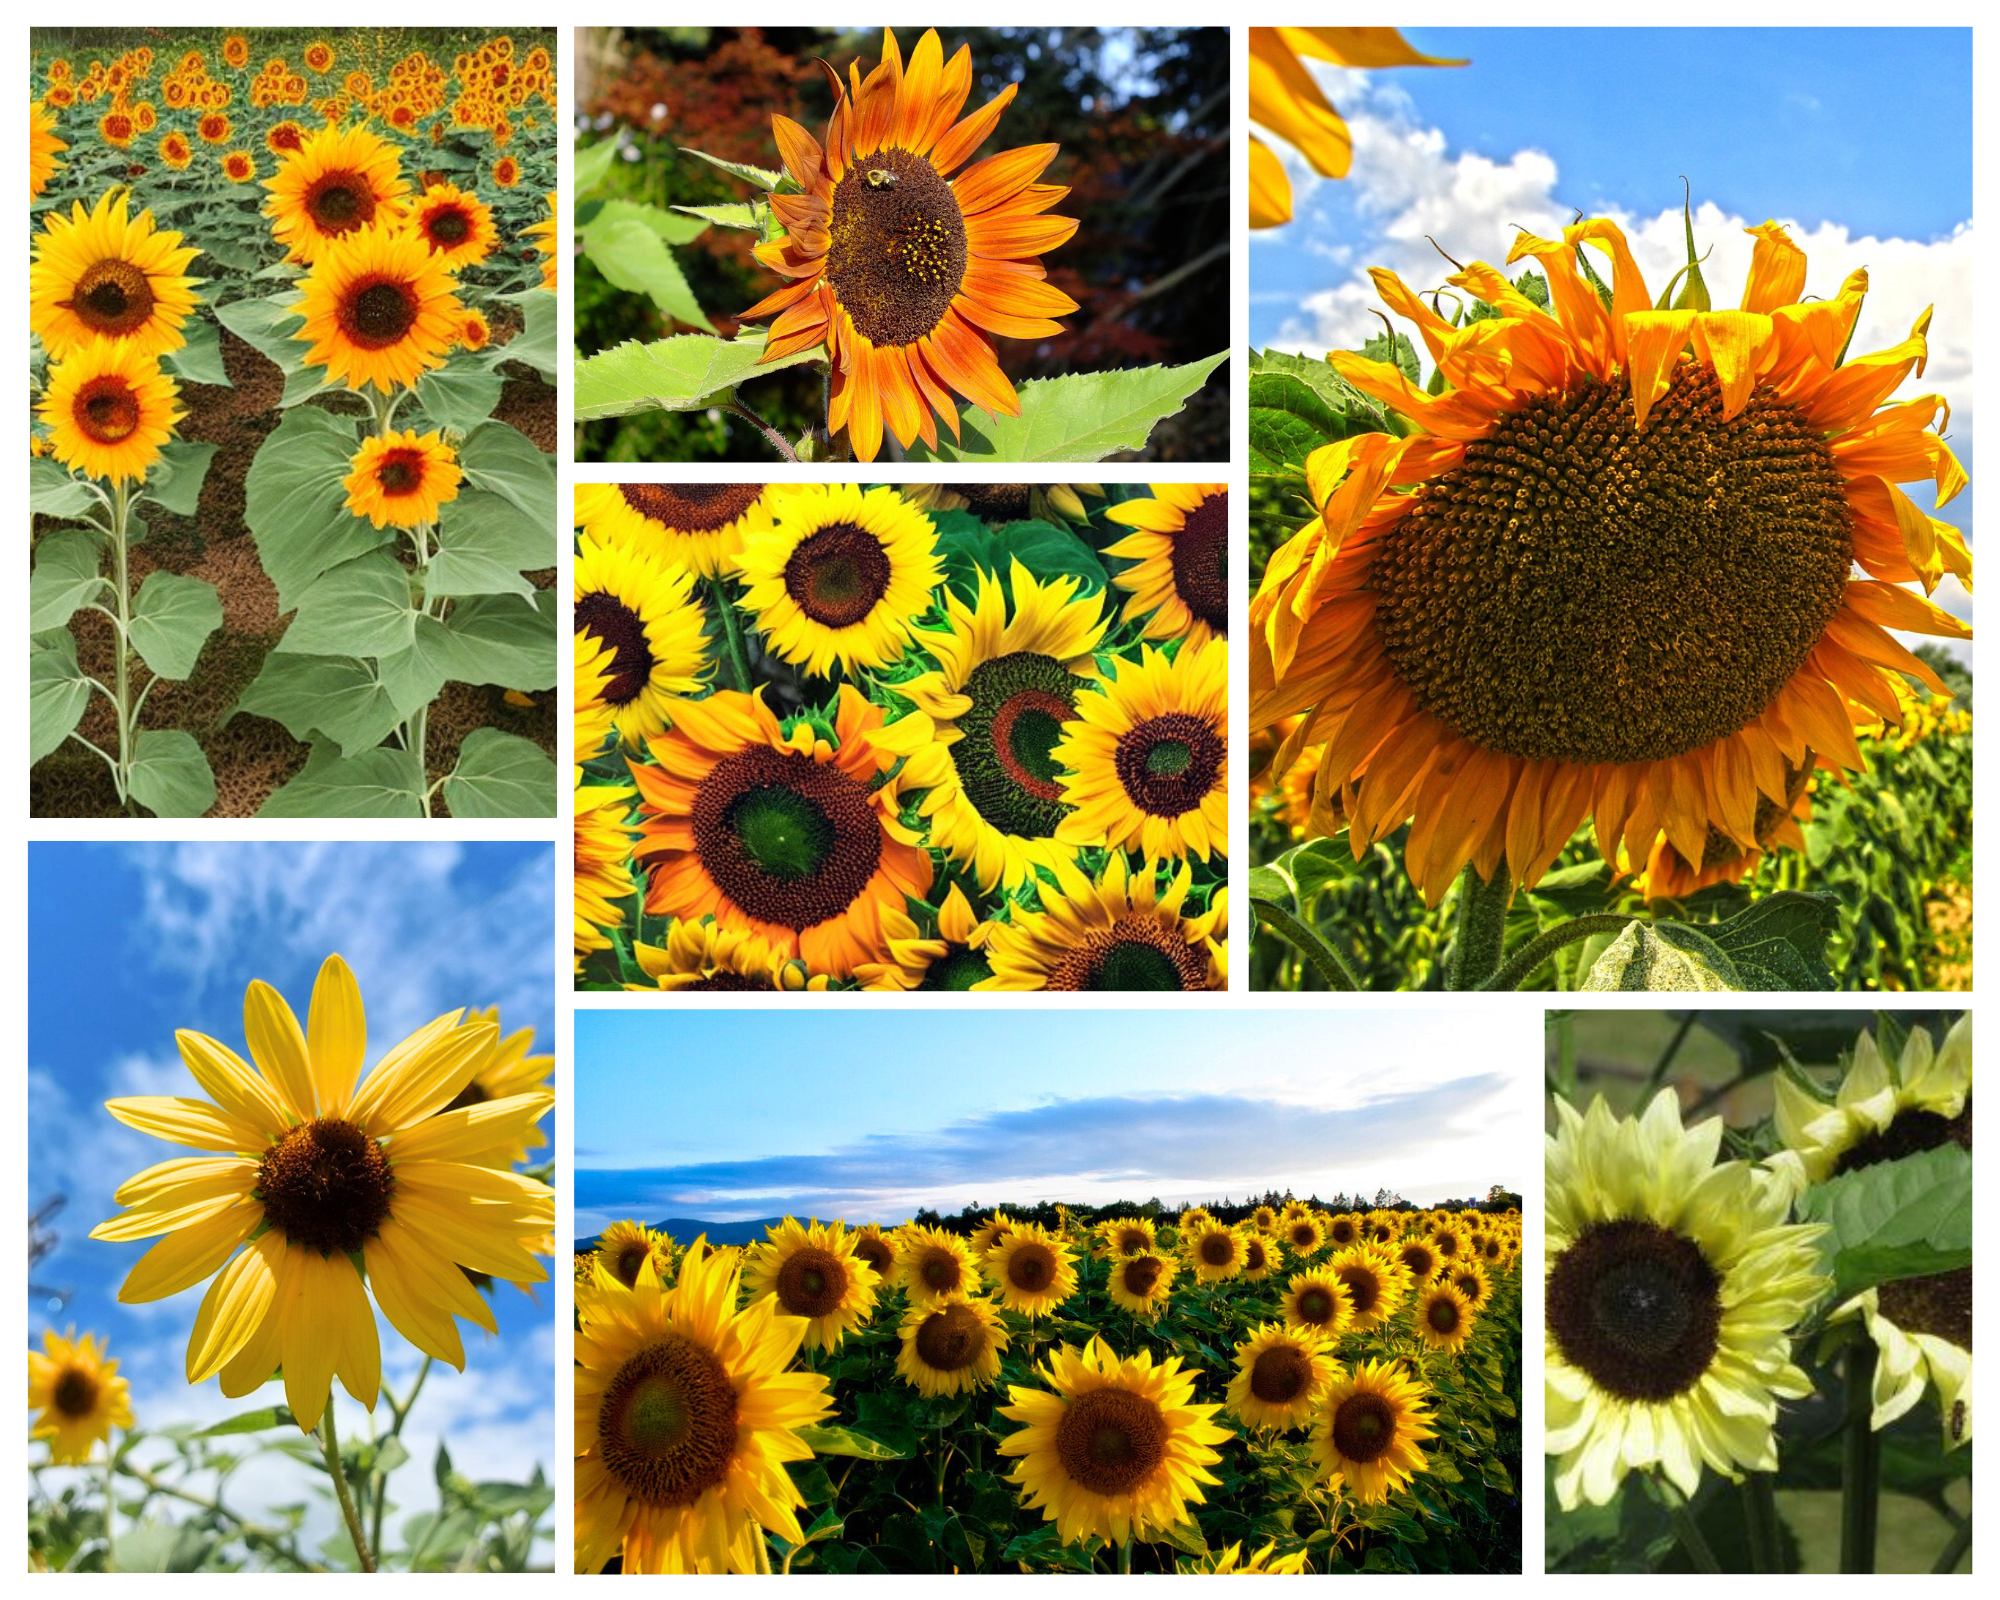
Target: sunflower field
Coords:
[(1576, 655), (954, 737), (1243, 1388), (1759, 1292), (292, 350)]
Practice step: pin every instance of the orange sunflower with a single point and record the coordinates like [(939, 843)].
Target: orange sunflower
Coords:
[(1606, 574), (335, 184), (239, 166), (899, 269), (456, 225), (176, 152), (42, 147), (379, 310), (786, 835), (401, 478)]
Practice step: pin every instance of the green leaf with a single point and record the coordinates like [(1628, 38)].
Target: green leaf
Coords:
[(633, 257), (1897, 1219), (248, 1422), (296, 503), (1296, 406), (535, 344), (967, 546), (484, 545), (200, 359), (333, 697), (1662, 955), (1083, 417), (461, 394), (53, 492), (171, 620), (1780, 942), (57, 693), (828, 1441), (677, 374), (668, 225), (170, 775), (1398, 352), (175, 485), (268, 325), (412, 678), (377, 783), (500, 639), (499, 775), (1185, 1537), (505, 460), (743, 214), (359, 608), (65, 577), (593, 161), (762, 177)]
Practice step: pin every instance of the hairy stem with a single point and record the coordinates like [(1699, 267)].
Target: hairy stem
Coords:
[(1521, 965), (732, 632), (776, 440), (330, 1442), (1325, 959), (1479, 938)]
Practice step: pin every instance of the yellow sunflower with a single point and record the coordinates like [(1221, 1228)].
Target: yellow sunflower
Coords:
[(1376, 1282), (1214, 1250), (1002, 696), (897, 268), (685, 1416), (1302, 1235), (989, 1234), (1343, 1229), (1260, 1258), (703, 956), (934, 1267), (645, 614), (42, 147), (1264, 1220), (339, 182), (544, 234), (953, 959), (1451, 1243), (1120, 1237), (104, 274), (456, 225), (239, 166), (475, 333), (1231, 1561), (1033, 1271), (951, 1348), (109, 408), (1281, 1371), (1118, 1451), (379, 310), (1442, 1316), (625, 1247), (1180, 546), (402, 478), (879, 1248), (1720, 473), (602, 865), (1370, 1428), (1469, 1278), (785, 835), (1141, 1283), (1320, 1302), (1120, 932), (319, 1176), (839, 574), (503, 1070), (79, 1394), (698, 525), (815, 1274)]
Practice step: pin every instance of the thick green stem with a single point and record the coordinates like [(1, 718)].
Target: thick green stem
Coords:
[(732, 632), (1760, 1519), (122, 691), (1861, 1463), (1480, 937), (1125, 1556), (1666, 1060), (330, 1443), (1325, 959), (1521, 965), (1681, 1515)]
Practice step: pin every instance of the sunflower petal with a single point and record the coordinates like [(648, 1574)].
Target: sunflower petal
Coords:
[(336, 1035)]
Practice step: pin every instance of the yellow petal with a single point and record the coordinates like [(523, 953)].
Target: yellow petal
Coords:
[(189, 1122), (243, 1295), (336, 1035), (1270, 189), (184, 1258), (277, 1045), (228, 1080), (425, 1082)]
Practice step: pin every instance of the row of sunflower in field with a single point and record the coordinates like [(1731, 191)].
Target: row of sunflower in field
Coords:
[(1344, 1327), (934, 739)]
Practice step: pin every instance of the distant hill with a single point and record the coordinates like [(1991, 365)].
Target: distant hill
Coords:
[(684, 1230)]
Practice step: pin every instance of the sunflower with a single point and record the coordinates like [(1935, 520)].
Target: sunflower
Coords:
[(1119, 1450), (1343, 1229), (951, 1348), (116, 128), (952, 960), (895, 267), (378, 310), (698, 525), (815, 1274), (337, 183), (1214, 1250), (506, 172), (319, 56), (1375, 1279), (1668, 875), (644, 613), (602, 874), (545, 236), (1280, 1374), (1442, 1316), (1673, 1284), (213, 128), (625, 1247), (1179, 583), (989, 1234), (1146, 762), (934, 1267), (1285, 101), (109, 409), (1470, 1279), (239, 166), (79, 1393), (1302, 1235), (1719, 473), (1264, 1220), (235, 51), (1002, 696), (1450, 1242), (1230, 1560), (475, 333), (1260, 1258), (1121, 1237), (321, 1176), (705, 957), (1032, 1270), (456, 225), (1002, 503), (1117, 933), (1141, 1283), (1320, 1302), (401, 479), (281, 138), (685, 1416), (505, 1069), (782, 834), (879, 1249), (176, 152), (839, 574), (103, 274), (1371, 1424), (42, 147)]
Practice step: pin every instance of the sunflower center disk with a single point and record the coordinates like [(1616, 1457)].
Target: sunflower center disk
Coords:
[(877, 1254), (939, 1271), (1316, 1307), (451, 226), (1006, 759), (1280, 1375), (1364, 1427), (1940, 1305), (1442, 1316), (76, 1393), (959, 968), (1576, 590), (1141, 1275), (630, 1260), (326, 1185), (1031, 1268), (812, 1282), (952, 1339), (1218, 1250), (1111, 1440), (730, 982), (667, 1428), (691, 507), (339, 202), (621, 631), (838, 575), (401, 472), (1133, 953), (377, 315), (1637, 1307), (896, 250), (1911, 1133), (1363, 1288), (106, 410), (995, 502), (113, 298), (1201, 562), (1168, 764)]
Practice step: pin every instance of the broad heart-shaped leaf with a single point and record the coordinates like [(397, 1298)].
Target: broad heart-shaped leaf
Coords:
[(765, 178), (57, 692), (175, 484), (170, 775), (499, 775), (485, 544), (1896, 1219), (633, 257), (677, 374), (1297, 405), (669, 225), (66, 575), (592, 162), (335, 697), (1780, 942), (359, 608), (535, 344), (171, 620), (500, 639), (1082, 417), (461, 394), (1661, 955), (200, 359), (966, 546), (296, 503), (505, 460), (412, 678), (53, 492), (382, 782), (268, 325)]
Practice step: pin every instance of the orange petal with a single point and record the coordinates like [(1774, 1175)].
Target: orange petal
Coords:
[(864, 411), (953, 86), (914, 101), (1777, 270), (1654, 341), (964, 360), (985, 184), (799, 150), (790, 294), (1006, 286), (1735, 343), (932, 387), (1002, 324), (969, 134), (1004, 236), (901, 410)]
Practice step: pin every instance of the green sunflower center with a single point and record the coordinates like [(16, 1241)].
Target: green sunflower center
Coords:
[(340, 201), (326, 1185), (896, 248), (1578, 590), (812, 1282), (951, 1339), (691, 507), (113, 298), (1280, 1374), (1006, 759), (1201, 562), (792, 841), (1364, 1426), (784, 835), (1315, 1307), (1135, 952), (838, 575), (1111, 1440), (106, 410), (379, 314), (959, 968), (1637, 1307), (622, 631), (75, 1393), (667, 1427)]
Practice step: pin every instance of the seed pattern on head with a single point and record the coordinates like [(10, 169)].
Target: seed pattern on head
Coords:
[(379, 314), (952, 1338), (1201, 562), (838, 575), (1005, 761), (667, 1426), (790, 840), (75, 1393), (1031, 1266), (1111, 1439), (1280, 1374), (1637, 1307), (1141, 1273), (1135, 952), (1364, 1427), (1169, 763), (623, 632), (896, 252), (691, 507), (339, 201), (812, 1282), (112, 297), (326, 1185), (996, 502)]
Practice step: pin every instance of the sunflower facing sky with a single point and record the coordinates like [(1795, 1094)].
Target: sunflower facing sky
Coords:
[(900, 269)]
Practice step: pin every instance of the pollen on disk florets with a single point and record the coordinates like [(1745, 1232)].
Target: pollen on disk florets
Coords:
[(897, 249), (667, 1426)]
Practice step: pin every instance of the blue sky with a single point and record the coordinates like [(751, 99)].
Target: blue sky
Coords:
[(870, 1116), (129, 942)]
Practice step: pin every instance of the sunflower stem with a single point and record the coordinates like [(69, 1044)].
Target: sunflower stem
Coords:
[(1479, 940), (763, 1553), (330, 1443), (1688, 1531), (776, 440), (1325, 959), (1760, 1520), (732, 632), (1861, 1464), (121, 772), (110, 1516), (1125, 1557), (1954, 1551), (1522, 964)]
